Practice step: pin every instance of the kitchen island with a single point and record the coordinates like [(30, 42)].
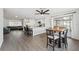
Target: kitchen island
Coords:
[(38, 30)]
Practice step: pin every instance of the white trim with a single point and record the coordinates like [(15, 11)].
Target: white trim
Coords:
[(1, 43)]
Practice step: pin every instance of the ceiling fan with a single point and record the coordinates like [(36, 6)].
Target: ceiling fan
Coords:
[(42, 12)]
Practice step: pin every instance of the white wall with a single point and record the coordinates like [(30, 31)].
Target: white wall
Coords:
[(47, 23), (5, 22), (29, 22), (52, 22), (1, 26), (34, 22), (75, 25)]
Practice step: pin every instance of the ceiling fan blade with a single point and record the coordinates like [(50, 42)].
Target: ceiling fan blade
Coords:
[(38, 11), (46, 11)]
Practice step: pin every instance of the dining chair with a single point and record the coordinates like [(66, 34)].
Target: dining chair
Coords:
[(64, 38), (51, 38), (28, 30)]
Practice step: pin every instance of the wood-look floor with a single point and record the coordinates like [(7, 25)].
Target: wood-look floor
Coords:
[(18, 41)]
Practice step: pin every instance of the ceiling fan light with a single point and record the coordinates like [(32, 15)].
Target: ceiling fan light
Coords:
[(42, 15), (16, 16)]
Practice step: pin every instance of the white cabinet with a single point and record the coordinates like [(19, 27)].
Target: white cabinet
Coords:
[(38, 30)]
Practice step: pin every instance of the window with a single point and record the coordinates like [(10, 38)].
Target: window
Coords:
[(15, 23), (64, 22)]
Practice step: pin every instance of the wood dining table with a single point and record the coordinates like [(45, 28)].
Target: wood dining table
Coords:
[(58, 30)]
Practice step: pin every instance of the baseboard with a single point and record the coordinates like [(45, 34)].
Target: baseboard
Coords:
[(73, 38)]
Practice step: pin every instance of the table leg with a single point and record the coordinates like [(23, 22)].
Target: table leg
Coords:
[(59, 41)]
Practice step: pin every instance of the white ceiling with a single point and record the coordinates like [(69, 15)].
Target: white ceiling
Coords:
[(22, 13)]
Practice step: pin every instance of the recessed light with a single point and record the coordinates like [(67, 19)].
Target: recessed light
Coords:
[(66, 18), (16, 16)]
